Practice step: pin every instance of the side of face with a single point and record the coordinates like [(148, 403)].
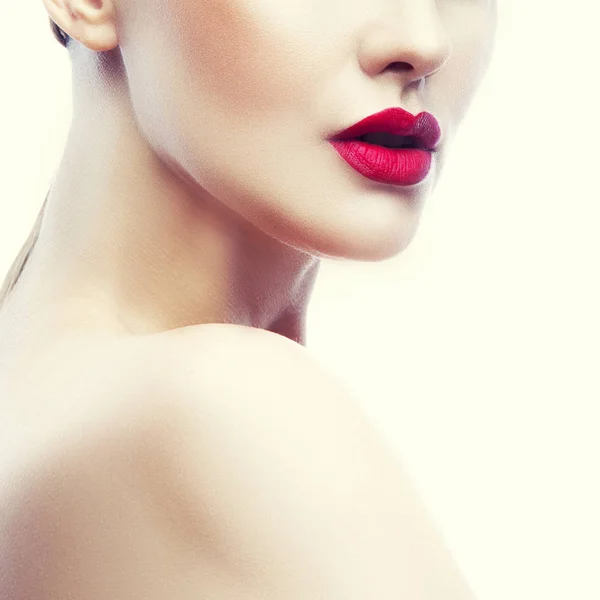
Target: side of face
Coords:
[(244, 94)]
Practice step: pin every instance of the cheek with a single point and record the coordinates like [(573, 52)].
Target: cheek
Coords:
[(225, 84), (472, 28), (225, 89), (211, 77), (251, 52)]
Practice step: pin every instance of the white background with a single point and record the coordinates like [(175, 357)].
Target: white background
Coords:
[(475, 351)]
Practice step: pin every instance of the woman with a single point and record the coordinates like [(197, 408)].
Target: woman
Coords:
[(165, 433)]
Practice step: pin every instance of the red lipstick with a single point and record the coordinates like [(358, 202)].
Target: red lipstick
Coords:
[(413, 139)]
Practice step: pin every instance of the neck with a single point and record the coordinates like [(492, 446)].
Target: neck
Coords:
[(132, 239)]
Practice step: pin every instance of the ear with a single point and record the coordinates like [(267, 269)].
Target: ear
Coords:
[(91, 22)]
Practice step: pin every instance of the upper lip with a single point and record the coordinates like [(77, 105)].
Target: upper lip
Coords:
[(424, 127)]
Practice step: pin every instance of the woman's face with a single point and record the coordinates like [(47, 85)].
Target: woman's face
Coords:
[(244, 95)]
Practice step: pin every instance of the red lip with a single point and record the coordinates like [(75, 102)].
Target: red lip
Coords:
[(424, 127), (396, 166)]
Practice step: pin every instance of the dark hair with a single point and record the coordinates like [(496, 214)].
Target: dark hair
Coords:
[(59, 34), (21, 259)]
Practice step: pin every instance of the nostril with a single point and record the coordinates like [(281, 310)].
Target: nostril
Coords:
[(399, 66)]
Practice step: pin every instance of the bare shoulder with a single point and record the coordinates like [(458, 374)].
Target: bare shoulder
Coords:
[(215, 441), (277, 460), (227, 359), (271, 392), (236, 373)]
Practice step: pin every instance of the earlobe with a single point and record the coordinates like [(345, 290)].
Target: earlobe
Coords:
[(90, 22)]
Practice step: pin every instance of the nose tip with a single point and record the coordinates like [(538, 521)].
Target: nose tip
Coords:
[(413, 51)]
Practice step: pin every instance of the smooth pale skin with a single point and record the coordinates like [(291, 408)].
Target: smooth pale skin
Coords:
[(212, 479), (163, 431)]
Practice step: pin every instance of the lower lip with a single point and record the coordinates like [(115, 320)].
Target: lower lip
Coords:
[(398, 166)]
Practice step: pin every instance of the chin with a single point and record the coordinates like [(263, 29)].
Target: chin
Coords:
[(383, 228), (366, 240), (373, 249)]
